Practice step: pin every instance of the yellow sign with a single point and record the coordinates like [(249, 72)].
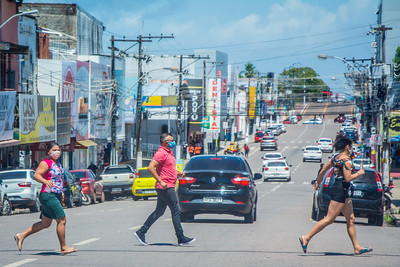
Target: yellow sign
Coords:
[(252, 102), (394, 123)]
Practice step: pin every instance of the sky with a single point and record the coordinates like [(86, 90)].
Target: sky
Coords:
[(272, 34)]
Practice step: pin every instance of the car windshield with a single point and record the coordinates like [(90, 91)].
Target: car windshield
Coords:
[(277, 164), (117, 170), (366, 178), (217, 163), (144, 173), (13, 175), (259, 134), (79, 175)]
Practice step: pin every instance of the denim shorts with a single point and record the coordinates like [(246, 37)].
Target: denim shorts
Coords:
[(51, 205), (339, 191)]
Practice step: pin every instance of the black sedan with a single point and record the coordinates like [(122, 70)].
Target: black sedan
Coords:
[(220, 185), (366, 194)]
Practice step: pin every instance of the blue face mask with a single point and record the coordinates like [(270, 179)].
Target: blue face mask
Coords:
[(171, 144)]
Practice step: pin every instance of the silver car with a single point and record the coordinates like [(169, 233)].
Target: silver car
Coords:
[(21, 188), (277, 169), (269, 142), (5, 204), (367, 163)]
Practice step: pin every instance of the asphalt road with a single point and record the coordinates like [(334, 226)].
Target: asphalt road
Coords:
[(103, 233)]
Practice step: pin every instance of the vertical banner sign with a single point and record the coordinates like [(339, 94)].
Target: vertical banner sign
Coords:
[(81, 105), (68, 90), (214, 103), (7, 105), (195, 104), (252, 101), (37, 118), (394, 123), (63, 123)]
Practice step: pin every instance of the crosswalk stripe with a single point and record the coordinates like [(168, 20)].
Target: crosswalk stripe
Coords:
[(19, 263), (86, 241)]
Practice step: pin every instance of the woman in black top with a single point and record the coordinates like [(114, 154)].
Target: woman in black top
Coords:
[(340, 199)]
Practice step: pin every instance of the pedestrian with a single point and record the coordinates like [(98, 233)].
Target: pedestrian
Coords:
[(191, 150), (339, 193), (162, 168), (246, 150), (51, 175), (197, 149), (93, 167)]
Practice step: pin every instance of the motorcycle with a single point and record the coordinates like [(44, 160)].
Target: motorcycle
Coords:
[(388, 195)]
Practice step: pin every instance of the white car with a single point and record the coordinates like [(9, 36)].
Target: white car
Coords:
[(272, 156), (313, 121), (344, 124), (367, 163), (277, 169), (325, 144), (312, 153)]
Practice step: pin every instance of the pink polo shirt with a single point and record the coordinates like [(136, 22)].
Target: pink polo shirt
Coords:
[(166, 168)]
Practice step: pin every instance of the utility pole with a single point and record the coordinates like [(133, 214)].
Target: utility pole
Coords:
[(138, 151), (113, 157)]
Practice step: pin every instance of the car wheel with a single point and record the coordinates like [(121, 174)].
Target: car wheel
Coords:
[(187, 217), (86, 199), (145, 198), (36, 207), (102, 198), (109, 197), (249, 218), (265, 179), (69, 202), (6, 210), (320, 160), (135, 198), (376, 220), (313, 212), (289, 179), (304, 160)]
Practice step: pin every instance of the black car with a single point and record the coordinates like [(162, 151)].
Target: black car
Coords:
[(220, 185), (366, 194), (72, 190)]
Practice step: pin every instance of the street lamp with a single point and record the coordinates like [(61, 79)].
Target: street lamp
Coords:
[(19, 14), (324, 57)]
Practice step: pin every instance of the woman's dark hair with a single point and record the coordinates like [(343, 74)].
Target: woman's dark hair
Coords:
[(342, 141), (49, 146)]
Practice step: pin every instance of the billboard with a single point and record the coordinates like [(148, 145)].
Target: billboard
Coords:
[(63, 123), (195, 103), (214, 103), (68, 89), (37, 118), (7, 105), (80, 107)]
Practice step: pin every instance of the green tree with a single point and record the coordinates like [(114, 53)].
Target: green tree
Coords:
[(396, 66), (249, 71), (300, 80)]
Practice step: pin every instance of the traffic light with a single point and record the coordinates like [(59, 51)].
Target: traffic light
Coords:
[(362, 118)]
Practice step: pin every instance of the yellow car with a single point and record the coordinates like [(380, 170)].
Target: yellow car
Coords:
[(144, 185)]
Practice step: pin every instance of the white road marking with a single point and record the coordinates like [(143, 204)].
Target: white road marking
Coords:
[(19, 263), (135, 227), (86, 241), (290, 182), (306, 183), (276, 187)]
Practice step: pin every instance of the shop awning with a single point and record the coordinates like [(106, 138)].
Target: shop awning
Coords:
[(7, 143), (84, 144)]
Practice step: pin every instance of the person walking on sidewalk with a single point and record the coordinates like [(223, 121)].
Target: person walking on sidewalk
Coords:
[(339, 193), (246, 150), (163, 169), (49, 173)]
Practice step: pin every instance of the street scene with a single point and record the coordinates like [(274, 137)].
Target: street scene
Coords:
[(116, 149)]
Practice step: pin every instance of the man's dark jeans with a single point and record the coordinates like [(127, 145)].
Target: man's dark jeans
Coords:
[(165, 198)]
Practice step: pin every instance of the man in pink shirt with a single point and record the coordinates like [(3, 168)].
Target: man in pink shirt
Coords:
[(163, 169)]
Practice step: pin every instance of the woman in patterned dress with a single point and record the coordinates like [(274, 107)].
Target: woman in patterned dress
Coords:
[(50, 174), (339, 193)]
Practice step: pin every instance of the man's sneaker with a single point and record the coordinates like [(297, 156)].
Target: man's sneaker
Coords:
[(140, 236), (185, 240)]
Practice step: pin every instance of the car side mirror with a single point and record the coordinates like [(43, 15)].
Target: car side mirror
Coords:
[(313, 181), (257, 176)]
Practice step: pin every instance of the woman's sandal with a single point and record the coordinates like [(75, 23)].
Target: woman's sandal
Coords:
[(304, 247), (365, 250)]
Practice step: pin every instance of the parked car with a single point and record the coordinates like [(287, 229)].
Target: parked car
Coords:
[(325, 144), (143, 185), (294, 119), (277, 169), (220, 185), (312, 153), (275, 130), (72, 191), (258, 136), (282, 127), (367, 197), (269, 142), (117, 180), (92, 188), (21, 188), (367, 163), (5, 203), (313, 121), (288, 121)]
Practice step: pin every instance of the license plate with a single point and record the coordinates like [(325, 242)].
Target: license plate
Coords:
[(357, 193), (149, 191), (212, 199), (116, 189)]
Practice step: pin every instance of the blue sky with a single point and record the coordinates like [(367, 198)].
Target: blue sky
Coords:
[(272, 34)]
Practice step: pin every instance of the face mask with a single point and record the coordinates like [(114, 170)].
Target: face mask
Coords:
[(55, 154), (171, 144)]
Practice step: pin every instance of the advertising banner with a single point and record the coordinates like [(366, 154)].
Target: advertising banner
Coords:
[(214, 103), (37, 118), (7, 105), (63, 123), (81, 104), (394, 123), (68, 90), (195, 104)]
